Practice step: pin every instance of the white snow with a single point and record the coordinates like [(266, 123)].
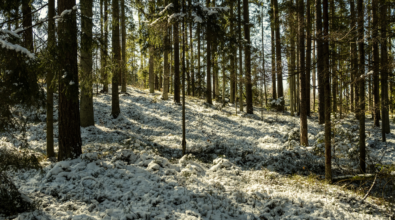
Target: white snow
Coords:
[(121, 175)]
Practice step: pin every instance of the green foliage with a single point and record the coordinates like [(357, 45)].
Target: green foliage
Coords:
[(18, 159), (18, 80), (12, 201)]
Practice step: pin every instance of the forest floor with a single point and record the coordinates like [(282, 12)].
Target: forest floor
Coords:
[(238, 166)]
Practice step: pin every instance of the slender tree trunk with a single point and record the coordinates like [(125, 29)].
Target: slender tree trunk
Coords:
[(199, 75), (69, 114), (223, 76), (191, 58), (292, 61), (333, 56), (86, 108), (376, 65), (166, 71), (328, 156), (184, 144), (231, 57), (176, 57), (361, 81), (115, 110), (354, 60), (314, 82), (247, 55), (240, 57), (151, 77), (273, 41), (320, 64), (27, 22), (302, 76), (208, 36), (50, 78), (123, 30), (105, 55), (384, 70), (308, 57)]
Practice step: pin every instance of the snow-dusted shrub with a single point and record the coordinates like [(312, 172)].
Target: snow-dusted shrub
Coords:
[(11, 200), (298, 160), (14, 159)]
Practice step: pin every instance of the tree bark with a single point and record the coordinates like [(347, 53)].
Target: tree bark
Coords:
[(208, 37), (302, 76), (184, 144), (115, 110), (123, 62), (177, 97), (191, 57), (376, 65), (328, 156), (151, 76), (308, 57), (272, 28), (199, 75), (361, 81), (240, 57), (166, 44), (384, 70), (320, 64), (69, 115), (50, 78), (247, 56), (86, 108), (280, 91), (105, 55), (232, 56), (27, 22)]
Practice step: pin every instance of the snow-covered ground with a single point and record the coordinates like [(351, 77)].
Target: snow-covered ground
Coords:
[(131, 166)]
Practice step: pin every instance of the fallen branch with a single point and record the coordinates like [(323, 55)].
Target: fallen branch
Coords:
[(367, 194)]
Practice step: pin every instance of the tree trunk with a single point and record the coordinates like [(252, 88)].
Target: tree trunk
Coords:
[(69, 114), (115, 110), (292, 61), (199, 75), (313, 77), (320, 64), (333, 56), (176, 39), (123, 62), (86, 108), (50, 78), (384, 70), (247, 56), (166, 44), (376, 65), (361, 81), (272, 27), (191, 58), (328, 156), (240, 57), (354, 60), (308, 57), (231, 57), (27, 23), (302, 76), (105, 76), (151, 76), (208, 36), (184, 144)]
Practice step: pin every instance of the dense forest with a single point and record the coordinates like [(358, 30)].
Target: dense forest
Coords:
[(271, 92)]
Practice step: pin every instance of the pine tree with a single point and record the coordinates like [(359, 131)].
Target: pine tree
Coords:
[(50, 78), (116, 57), (69, 115), (247, 55), (86, 111)]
